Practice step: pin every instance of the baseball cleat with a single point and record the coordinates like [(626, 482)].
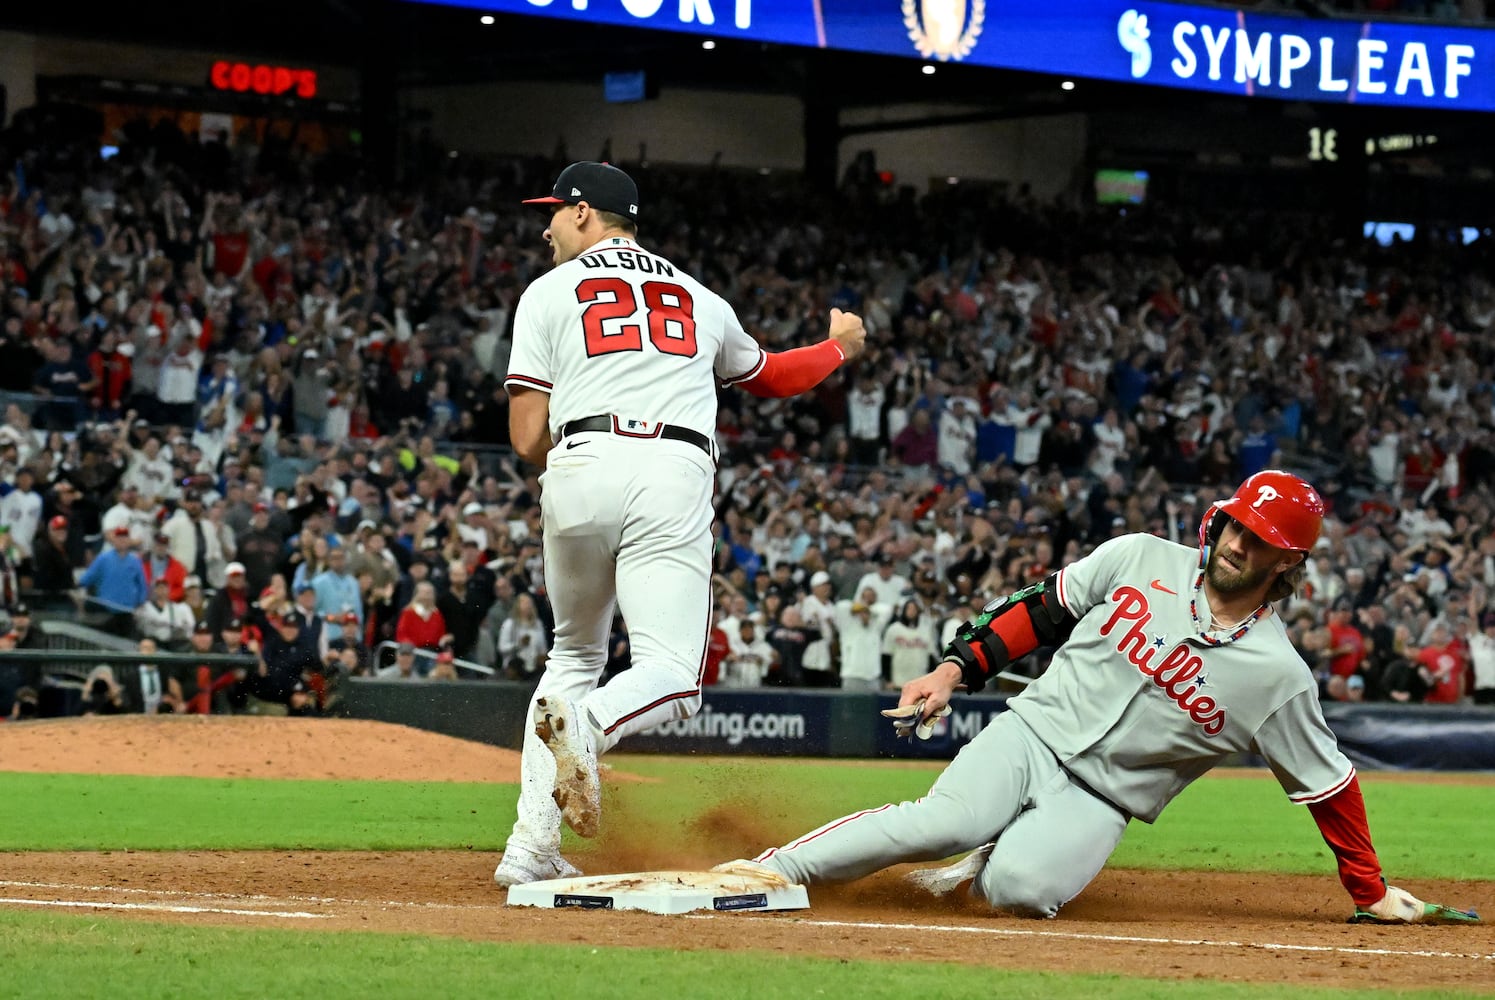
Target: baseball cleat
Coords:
[(944, 881), (752, 869), (520, 867), (578, 791)]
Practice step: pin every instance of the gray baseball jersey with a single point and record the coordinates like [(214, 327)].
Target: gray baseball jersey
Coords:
[(1136, 704)]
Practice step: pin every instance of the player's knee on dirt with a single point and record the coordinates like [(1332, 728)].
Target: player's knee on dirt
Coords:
[(1019, 889)]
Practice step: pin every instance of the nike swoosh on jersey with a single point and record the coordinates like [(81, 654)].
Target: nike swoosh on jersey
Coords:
[(1158, 585), (573, 444)]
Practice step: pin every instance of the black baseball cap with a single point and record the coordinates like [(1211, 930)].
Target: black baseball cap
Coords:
[(601, 185)]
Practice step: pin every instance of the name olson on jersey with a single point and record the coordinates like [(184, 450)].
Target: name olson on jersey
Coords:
[(627, 260), (1177, 674)]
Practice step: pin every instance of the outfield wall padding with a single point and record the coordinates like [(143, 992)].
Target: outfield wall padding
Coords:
[(802, 723)]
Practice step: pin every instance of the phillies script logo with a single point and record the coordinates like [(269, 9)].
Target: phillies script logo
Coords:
[(1180, 672)]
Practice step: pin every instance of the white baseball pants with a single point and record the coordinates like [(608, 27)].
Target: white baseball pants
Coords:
[(1052, 836), (627, 524)]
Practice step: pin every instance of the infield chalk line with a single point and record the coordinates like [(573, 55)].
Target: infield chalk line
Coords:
[(247, 896), (79, 904), (1130, 938), (854, 924)]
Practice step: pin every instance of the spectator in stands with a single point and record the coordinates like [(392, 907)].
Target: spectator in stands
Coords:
[(287, 655), (314, 622), (403, 667), (116, 581), (194, 598), (176, 386), (10, 569), (161, 565), (231, 601), (819, 611), (260, 549), (1442, 666), (169, 623), (25, 632), (860, 623), (750, 660), (102, 694), (917, 445), (21, 513), (790, 637), (908, 649), (338, 595), (1347, 648), (445, 668), (65, 382), (885, 582), (52, 568), (195, 540), (462, 609), (717, 650), (79, 519), (421, 623), (522, 642), (25, 706), (133, 512), (1481, 644)]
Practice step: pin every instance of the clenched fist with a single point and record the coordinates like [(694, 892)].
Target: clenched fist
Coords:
[(848, 331)]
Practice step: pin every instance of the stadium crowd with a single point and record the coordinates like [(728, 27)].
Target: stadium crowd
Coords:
[(255, 404)]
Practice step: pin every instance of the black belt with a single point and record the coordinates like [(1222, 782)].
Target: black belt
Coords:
[(636, 429)]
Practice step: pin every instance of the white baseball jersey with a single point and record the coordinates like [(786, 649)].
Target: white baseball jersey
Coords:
[(619, 330), (1136, 705)]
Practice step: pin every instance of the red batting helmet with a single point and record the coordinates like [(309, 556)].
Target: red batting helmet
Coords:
[(1278, 507)]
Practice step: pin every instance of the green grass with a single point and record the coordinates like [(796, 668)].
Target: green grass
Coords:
[(56, 812), (1221, 823), (135, 960)]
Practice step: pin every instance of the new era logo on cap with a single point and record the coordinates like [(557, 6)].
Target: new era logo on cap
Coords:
[(601, 185)]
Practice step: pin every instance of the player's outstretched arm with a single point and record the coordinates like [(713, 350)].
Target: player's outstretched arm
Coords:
[(1342, 821), (789, 373)]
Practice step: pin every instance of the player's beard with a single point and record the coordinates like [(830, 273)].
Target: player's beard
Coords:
[(1229, 580)]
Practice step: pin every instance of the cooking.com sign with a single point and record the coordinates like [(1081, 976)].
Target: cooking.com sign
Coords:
[(729, 723)]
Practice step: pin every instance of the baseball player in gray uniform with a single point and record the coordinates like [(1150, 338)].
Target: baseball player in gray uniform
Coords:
[(618, 354), (1169, 660)]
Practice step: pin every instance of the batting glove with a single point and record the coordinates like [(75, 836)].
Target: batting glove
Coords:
[(1399, 906), (909, 721)]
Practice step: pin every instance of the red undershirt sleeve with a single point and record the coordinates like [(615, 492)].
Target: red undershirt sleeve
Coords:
[(789, 373), (1341, 819)]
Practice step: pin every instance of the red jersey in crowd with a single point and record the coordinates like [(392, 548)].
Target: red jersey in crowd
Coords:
[(1446, 665), (717, 649), (1348, 638), (111, 377), (422, 632)]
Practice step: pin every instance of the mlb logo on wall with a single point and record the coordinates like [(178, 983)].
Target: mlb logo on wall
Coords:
[(944, 29)]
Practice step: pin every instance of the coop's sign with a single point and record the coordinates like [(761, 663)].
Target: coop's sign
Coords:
[(273, 81)]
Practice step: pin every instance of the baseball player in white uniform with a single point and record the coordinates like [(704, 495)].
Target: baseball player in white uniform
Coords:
[(613, 376), (1169, 660)]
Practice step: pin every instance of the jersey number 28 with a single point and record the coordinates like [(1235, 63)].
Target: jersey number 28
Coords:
[(667, 310)]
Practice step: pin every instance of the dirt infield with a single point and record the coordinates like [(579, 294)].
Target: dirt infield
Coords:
[(1219, 926)]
